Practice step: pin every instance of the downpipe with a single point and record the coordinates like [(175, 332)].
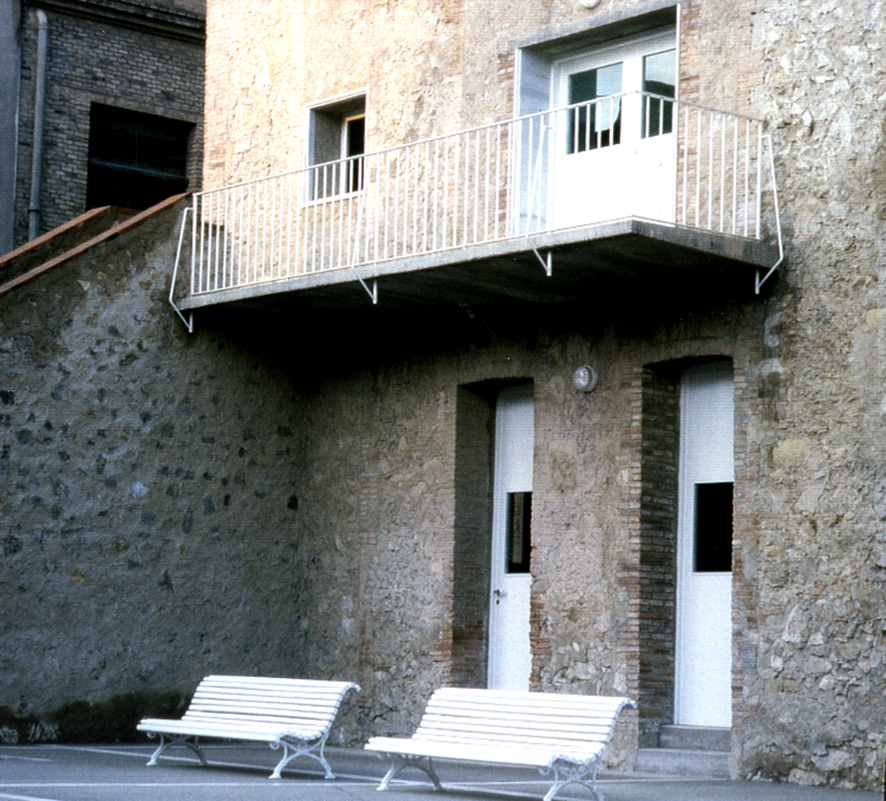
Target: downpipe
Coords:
[(39, 120)]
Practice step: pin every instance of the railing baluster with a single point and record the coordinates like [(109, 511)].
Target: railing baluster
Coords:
[(290, 245), (315, 230), (245, 233), (196, 277), (487, 189), (415, 200), (758, 229), (218, 236), (747, 178), (202, 222), (230, 234), (207, 233), (722, 172), (479, 205)]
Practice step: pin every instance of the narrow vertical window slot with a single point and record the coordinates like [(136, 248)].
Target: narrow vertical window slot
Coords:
[(713, 527)]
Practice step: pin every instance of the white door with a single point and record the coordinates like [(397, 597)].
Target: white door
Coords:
[(704, 548), (615, 152), (510, 660)]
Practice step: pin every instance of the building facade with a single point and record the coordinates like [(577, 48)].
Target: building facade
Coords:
[(534, 345), (102, 105)]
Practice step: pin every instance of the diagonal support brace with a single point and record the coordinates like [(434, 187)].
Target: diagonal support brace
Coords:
[(373, 293), (189, 320), (583, 773), (758, 282), (188, 741), (547, 263)]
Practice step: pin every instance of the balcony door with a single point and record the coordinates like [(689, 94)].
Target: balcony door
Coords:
[(615, 146)]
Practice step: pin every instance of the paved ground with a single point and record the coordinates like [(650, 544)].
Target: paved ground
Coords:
[(108, 773)]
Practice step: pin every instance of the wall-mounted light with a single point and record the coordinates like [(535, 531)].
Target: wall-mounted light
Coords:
[(585, 378)]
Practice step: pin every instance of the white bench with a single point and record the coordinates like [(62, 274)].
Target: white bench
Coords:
[(295, 714), (563, 735)]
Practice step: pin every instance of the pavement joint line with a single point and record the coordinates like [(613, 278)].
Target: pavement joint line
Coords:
[(23, 758), (134, 785), (5, 797)]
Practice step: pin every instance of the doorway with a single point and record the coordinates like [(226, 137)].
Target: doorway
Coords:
[(510, 659), (703, 694), (615, 151)]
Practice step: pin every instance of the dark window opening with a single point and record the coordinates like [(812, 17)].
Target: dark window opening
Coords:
[(713, 527), (355, 146), (135, 159), (519, 533)]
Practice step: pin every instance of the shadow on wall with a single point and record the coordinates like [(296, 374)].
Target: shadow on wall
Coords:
[(111, 721)]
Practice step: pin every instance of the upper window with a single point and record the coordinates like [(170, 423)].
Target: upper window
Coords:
[(135, 159), (336, 147), (597, 86)]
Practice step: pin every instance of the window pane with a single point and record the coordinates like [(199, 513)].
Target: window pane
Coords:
[(659, 78), (355, 145), (596, 123), (519, 538), (713, 527)]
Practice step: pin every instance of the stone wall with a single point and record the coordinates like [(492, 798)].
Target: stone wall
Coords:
[(220, 502), (814, 614), (151, 499), (333, 486)]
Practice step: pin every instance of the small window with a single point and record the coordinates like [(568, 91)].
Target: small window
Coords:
[(336, 147), (135, 159), (713, 527), (659, 82), (519, 531)]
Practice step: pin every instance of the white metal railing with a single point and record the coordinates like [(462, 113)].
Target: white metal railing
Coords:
[(637, 155)]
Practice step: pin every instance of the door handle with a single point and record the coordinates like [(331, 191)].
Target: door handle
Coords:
[(499, 593)]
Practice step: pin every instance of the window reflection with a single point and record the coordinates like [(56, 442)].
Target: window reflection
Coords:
[(519, 531), (659, 81), (597, 122)]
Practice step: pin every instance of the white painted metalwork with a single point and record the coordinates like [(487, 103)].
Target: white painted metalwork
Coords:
[(560, 734), (776, 210), (189, 320), (293, 714), (474, 187)]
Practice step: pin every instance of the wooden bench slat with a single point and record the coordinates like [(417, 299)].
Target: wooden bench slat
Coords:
[(482, 752)]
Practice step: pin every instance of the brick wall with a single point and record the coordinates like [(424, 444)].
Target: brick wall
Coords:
[(97, 61)]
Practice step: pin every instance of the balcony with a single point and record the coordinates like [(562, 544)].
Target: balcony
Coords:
[(544, 208)]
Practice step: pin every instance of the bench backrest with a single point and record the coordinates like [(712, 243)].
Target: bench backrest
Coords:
[(304, 703), (522, 718)]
